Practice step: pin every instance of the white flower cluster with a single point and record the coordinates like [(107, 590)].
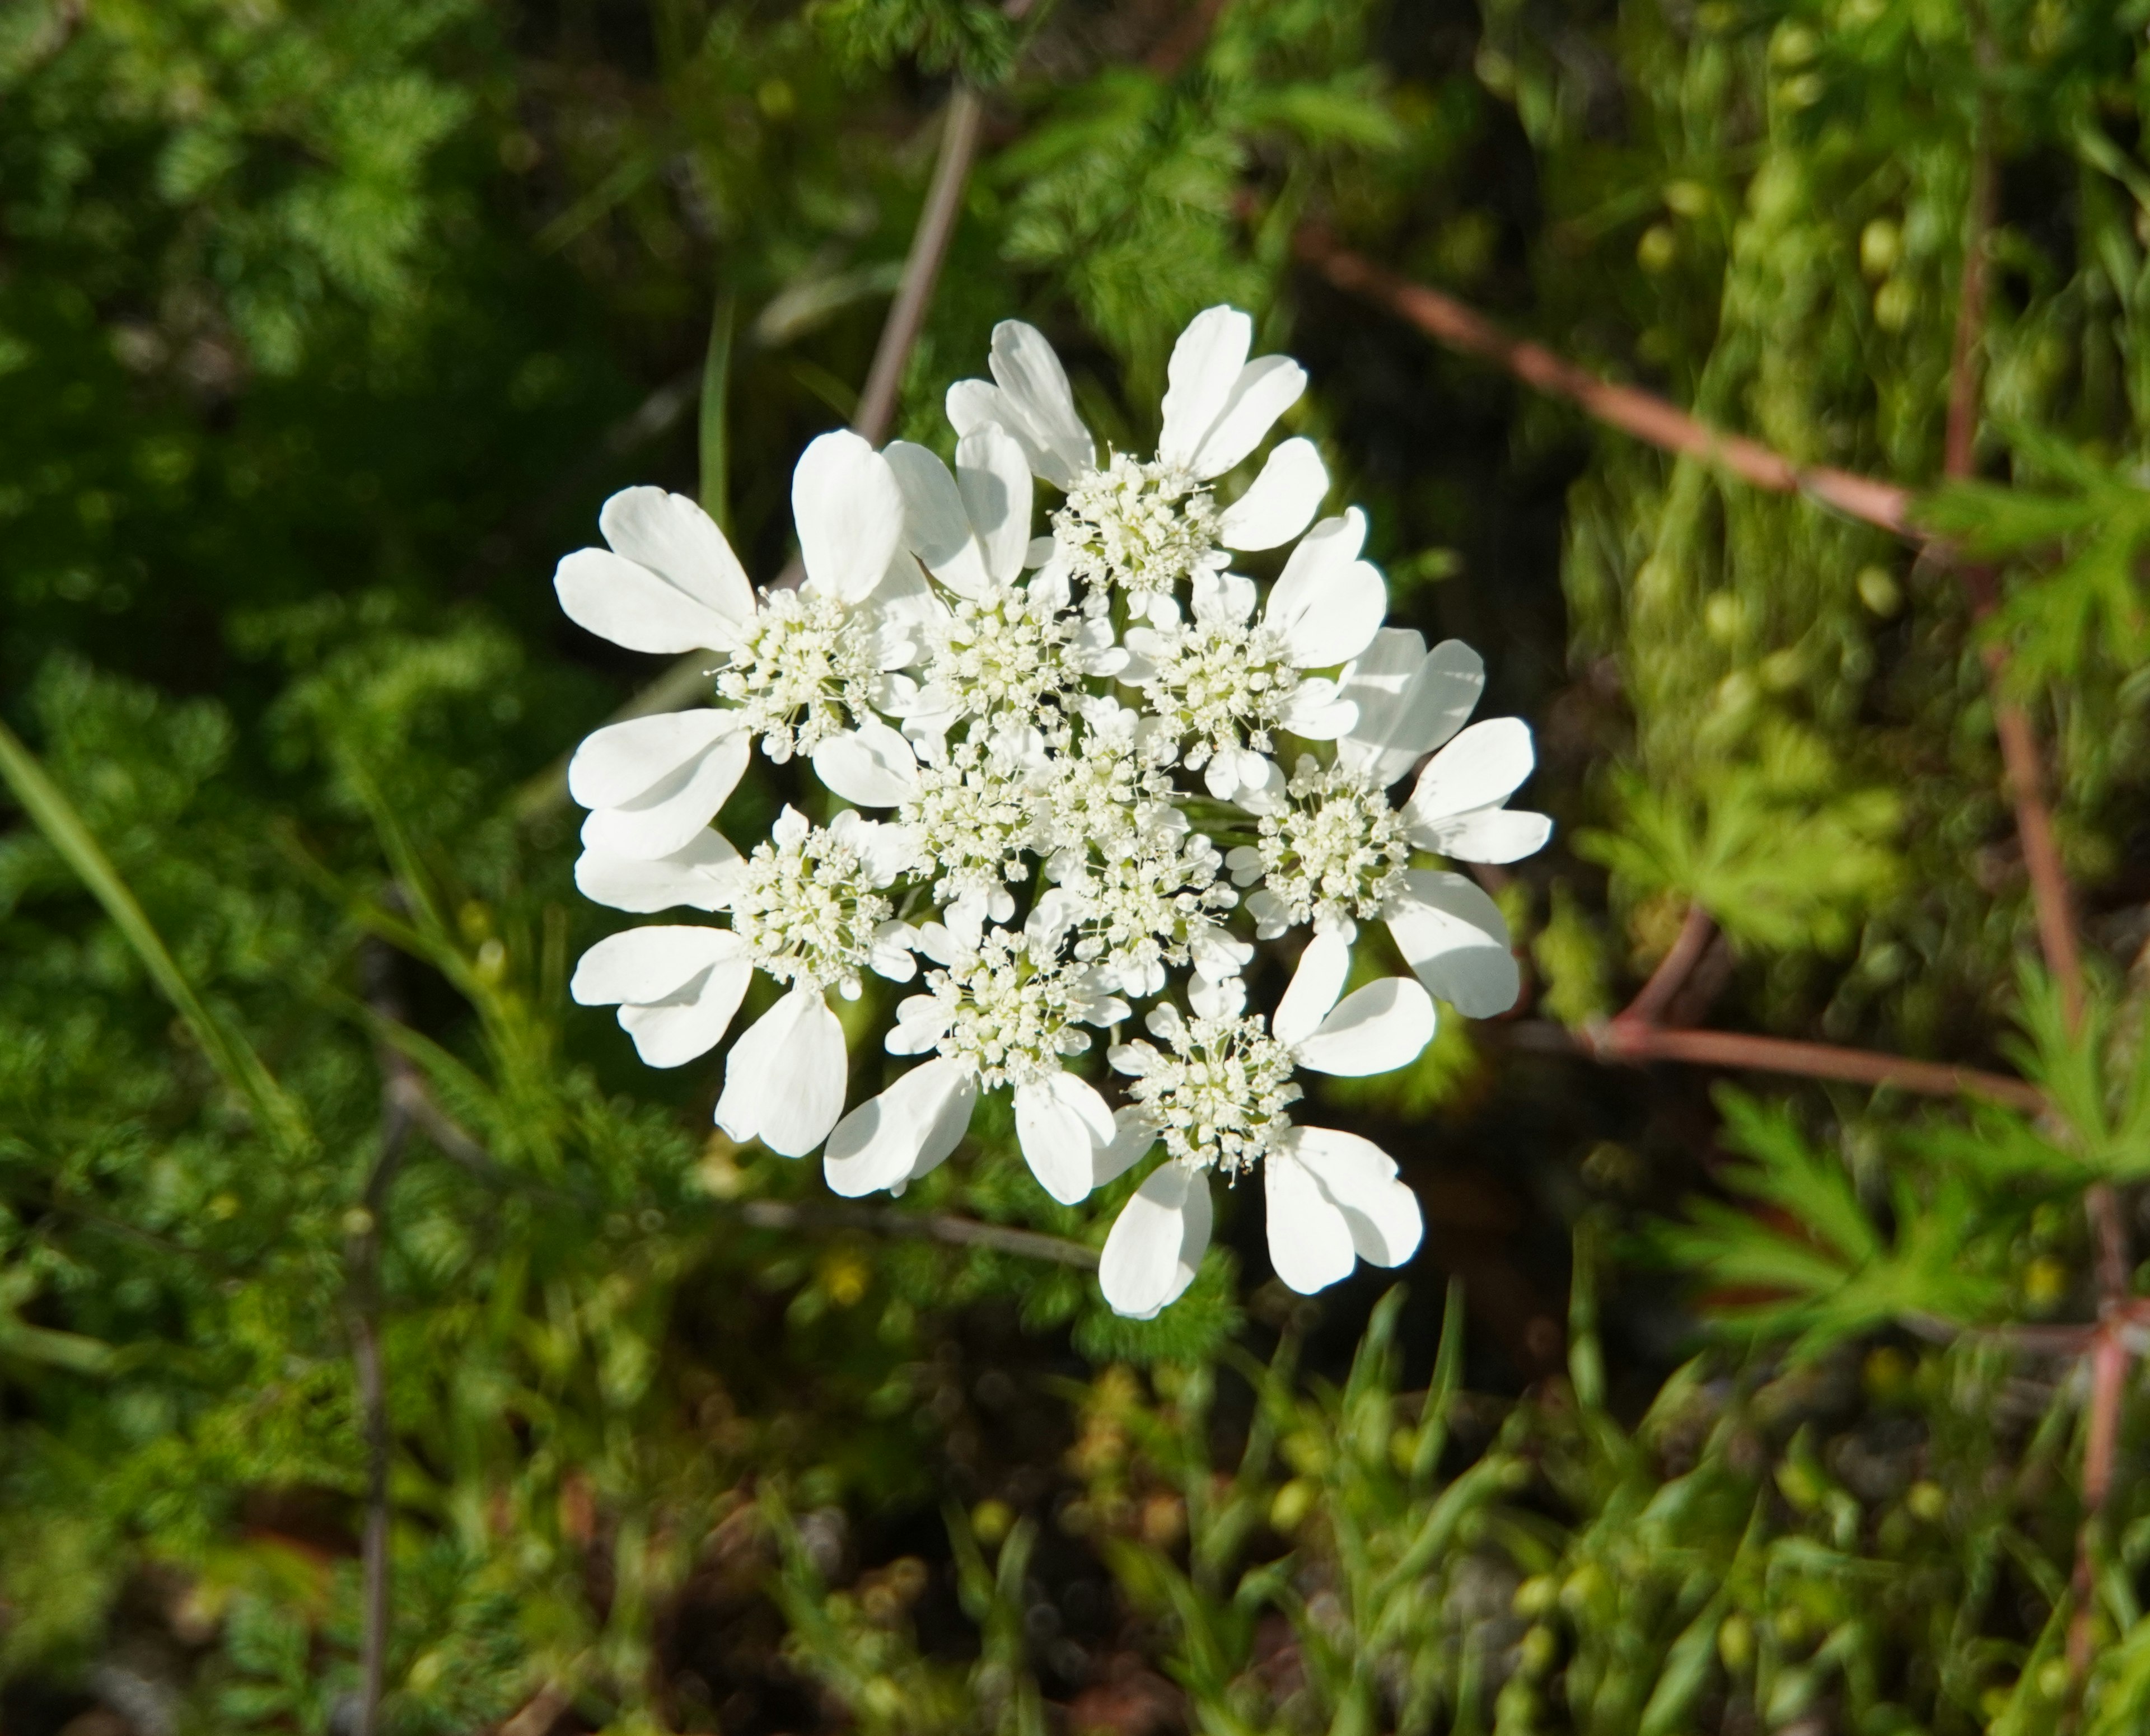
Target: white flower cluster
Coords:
[(1106, 766)]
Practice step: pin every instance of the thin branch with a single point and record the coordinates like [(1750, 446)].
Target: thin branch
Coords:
[(921, 266), (1644, 414), (1696, 932), (687, 679), (1625, 1040), (923, 1226), (398, 1079)]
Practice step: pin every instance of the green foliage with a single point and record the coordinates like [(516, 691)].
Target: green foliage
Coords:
[(324, 330)]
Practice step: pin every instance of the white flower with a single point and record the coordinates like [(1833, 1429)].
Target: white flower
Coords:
[(1333, 850), (1144, 527), (995, 1014), (1219, 1100), (1136, 910), (807, 910), (1229, 681), (801, 670)]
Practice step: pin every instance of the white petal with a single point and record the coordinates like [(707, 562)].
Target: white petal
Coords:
[(1481, 767), (891, 1140), (1328, 603), (617, 599), (1157, 1244), (702, 875), (1315, 987), (1409, 701), (1061, 1123), (668, 815), (622, 761), (1222, 600), (1212, 997), (690, 1022), (1315, 711), (873, 765), (1205, 365), (994, 476), (1485, 835), (936, 528), (849, 515), (785, 1079), (675, 539), (1268, 796), (1133, 1135), (1455, 939), (1383, 1214), (1266, 389), (1310, 1241), (1033, 386), (1280, 501), (1373, 1030), (646, 965)]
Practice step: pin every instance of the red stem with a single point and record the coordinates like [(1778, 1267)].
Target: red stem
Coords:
[(1624, 1040), (1673, 969), (1644, 414)]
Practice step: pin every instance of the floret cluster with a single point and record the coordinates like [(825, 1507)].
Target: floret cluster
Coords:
[(1077, 776)]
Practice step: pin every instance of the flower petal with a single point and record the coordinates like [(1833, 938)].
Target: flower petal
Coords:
[(1310, 1241), (1314, 988), (1410, 701), (701, 875), (617, 599), (891, 1140), (622, 761), (1157, 1243), (1280, 501), (690, 1022), (935, 526), (994, 476), (643, 965), (872, 766), (675, 539), (1328, 603), (785, 1079), (1481, 767), (1455, 940), (667, 815), (1485, 835), (1034, 388), (1206, 363), (1061, 1123), (1373, 1030), (1133, 1135), (1381, 1212), (1267, 388), (849, 515)]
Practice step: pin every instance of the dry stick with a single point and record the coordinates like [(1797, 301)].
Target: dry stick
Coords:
[(2054, 907), (687, 679), (1644, 414)]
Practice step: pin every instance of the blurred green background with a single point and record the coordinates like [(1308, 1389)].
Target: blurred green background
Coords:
[(326, 326)]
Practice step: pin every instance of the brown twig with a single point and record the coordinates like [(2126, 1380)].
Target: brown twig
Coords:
[(924, 1226), (1644, 414), (687, 679), (1696, 932), (921, 266), (1626, 1041)]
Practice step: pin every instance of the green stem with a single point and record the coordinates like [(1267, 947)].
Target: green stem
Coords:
[(228, 1051)]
